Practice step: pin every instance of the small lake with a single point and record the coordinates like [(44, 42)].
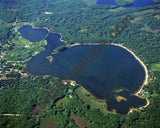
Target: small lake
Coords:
[(8, 4), (111, 69), (33, 35)]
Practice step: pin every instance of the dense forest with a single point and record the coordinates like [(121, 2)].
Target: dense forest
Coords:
[(44, 100), (35, 99)]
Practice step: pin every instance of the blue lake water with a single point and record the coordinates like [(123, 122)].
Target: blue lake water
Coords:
[(106, 2), (53, 40), (107, 69), (142, 3), (136, 3), (31, 34), (8, 4)]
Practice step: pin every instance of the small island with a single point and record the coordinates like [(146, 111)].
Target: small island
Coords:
[(50, 58), (120, 98), (120, 90)]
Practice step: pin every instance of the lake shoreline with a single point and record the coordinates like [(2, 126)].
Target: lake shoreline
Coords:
[(142, 64), (132, 109), (50, 31), (145, 80), (92, 96)]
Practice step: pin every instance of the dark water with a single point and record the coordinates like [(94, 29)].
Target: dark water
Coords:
[(123, 106), (31, 34), (8, 4), (142, 3), (53, 40), (102, 70), (136, 3), (106, 2)]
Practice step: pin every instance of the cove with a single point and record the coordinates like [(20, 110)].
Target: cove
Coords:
[(114, 75), (8, 4)]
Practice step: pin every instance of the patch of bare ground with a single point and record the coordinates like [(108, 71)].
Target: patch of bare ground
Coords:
[(148, 29), (49, 123), (39, 108), (157, 16), (80, 122), (139, 13), (116, 10)]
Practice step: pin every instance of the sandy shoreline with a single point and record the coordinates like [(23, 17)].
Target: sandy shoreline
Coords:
[(143, 65), (132, 109), (75, 44)]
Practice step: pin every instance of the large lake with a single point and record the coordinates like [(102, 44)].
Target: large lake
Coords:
[(101, 70)]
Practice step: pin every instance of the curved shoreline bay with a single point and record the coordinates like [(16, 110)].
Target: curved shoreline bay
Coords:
[(145, 82), (117, 73)]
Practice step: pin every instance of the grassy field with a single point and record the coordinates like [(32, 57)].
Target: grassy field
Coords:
[(61, 101), (90, 101), (155, 67), (49, 123), (23, 49), (18, 25), (89, 2)]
